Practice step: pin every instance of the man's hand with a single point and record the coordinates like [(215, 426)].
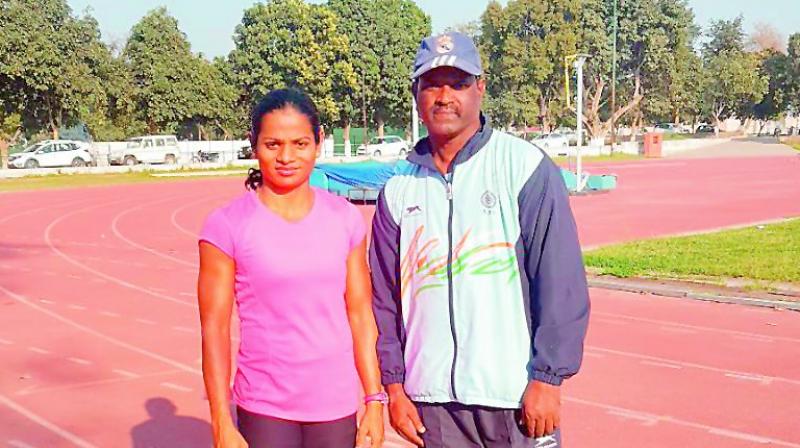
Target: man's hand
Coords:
[(403, 415), (541, 409)]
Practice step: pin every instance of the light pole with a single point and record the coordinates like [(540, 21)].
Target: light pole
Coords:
[(579, 61), (614, 81)]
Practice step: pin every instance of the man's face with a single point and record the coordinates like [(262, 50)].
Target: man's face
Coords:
[(449, 101)]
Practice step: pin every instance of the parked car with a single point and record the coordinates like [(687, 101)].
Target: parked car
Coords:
[(705, 129), (388, 145), (671, 128), (52, 153), (147, 149), (553, 141), (245, 153), (570, 134)]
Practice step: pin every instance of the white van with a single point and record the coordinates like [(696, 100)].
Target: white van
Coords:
[(147, 149)]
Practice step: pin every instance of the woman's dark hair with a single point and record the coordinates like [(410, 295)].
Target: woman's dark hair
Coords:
[(276, 100)]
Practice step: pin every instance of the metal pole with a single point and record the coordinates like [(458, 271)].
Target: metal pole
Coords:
[(614, 82), (578, 165)]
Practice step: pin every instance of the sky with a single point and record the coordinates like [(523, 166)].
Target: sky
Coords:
[(209, 24)]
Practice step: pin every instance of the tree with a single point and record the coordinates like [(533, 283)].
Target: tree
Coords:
[(471, 29), (792, 88), (526, 43), (735, 81), (10, 132), (724, 36), (162, 65), (52, 60), (213, 110), (288, 43), (766, 37), (383, 55), (776, 67), (653, 36)]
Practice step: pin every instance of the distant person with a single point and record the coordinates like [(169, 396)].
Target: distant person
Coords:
[(479, 287), (293, 259)]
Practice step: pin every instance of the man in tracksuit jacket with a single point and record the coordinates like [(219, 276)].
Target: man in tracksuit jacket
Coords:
[(479, 287)]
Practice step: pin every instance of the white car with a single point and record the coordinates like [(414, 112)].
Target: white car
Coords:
[(52, 153), (554, 144), (147, 149), (388, 145)]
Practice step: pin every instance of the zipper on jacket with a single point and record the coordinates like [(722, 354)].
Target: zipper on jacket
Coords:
[(448, 178)]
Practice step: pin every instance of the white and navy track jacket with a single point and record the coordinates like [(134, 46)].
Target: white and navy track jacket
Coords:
[(478, 280)]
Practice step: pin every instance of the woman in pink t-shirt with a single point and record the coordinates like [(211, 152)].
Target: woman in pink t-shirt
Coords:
[(293, 259)]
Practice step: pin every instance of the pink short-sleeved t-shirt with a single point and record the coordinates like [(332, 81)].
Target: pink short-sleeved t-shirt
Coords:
[(295, 357)]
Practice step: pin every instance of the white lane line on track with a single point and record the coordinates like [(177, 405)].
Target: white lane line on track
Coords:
[(49, 242), (661, 364), (607, 321), (5, 342), (754, 378), (93, 385), (177, 387), (174, 217), (679, 422), (125, 373), (110, 314), (80, 361), (18, 444), (645, 419), (47, 302), (93, 332), (35, 210), (679, 330), (61, 432), (692, 365), (77, 307), (693, 327), (146, 321), (118, 234), (740, 435), (38, 350), (754, 339)]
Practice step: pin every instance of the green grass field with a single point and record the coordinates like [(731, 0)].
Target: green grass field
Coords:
[(51, 181), (768, 253), (618, 157)]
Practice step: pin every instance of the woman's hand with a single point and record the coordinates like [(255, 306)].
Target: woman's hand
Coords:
[(227, 436), (371, 426)]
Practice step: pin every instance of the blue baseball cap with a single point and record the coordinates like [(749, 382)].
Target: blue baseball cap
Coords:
[(447, 50)]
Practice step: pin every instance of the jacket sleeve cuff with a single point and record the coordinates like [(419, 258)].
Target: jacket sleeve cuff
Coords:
[(392, 378), (545, 377)]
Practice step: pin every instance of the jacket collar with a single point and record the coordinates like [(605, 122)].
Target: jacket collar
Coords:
[(423, 154)]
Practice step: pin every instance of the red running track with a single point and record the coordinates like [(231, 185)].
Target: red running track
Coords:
[(99, 335)]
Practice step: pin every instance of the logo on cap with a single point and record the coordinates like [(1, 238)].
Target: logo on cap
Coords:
[(444, 44)]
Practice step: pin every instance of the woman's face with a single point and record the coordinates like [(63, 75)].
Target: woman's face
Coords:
[(286, 149)]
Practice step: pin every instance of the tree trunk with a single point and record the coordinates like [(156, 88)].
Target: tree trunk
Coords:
[(346, 137), (4, 144), (3, 154), (594, 123), (637, 125), (380, 127), (543, 115)]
